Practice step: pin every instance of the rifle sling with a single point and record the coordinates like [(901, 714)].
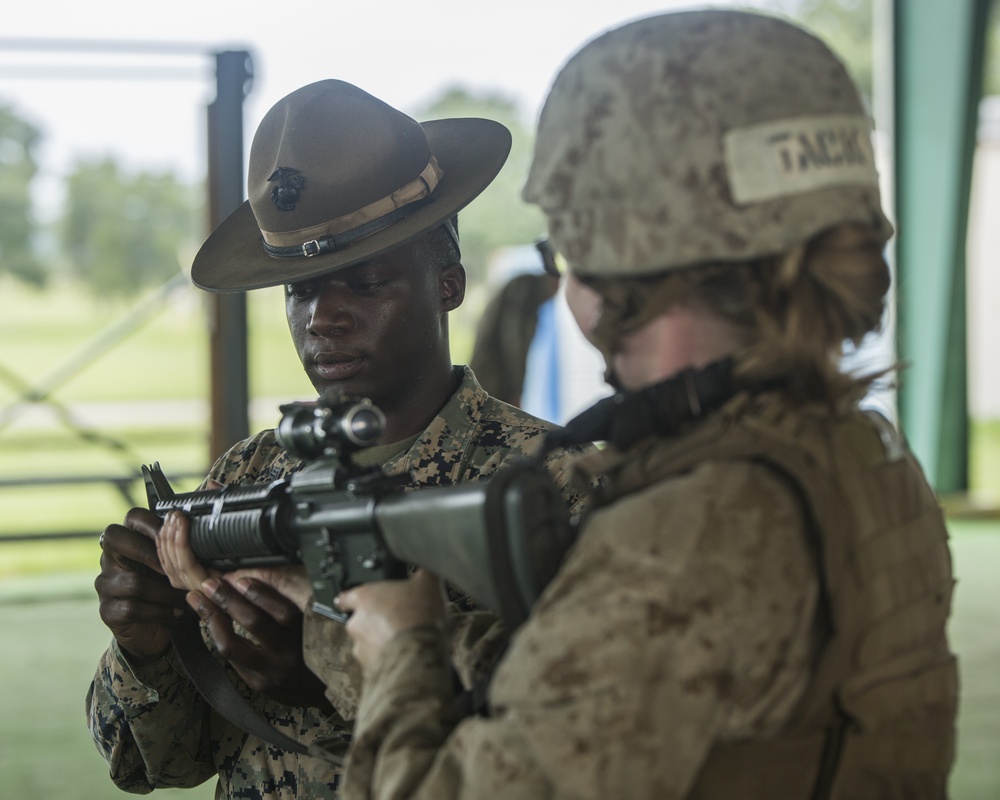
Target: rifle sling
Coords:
[(211, 680)]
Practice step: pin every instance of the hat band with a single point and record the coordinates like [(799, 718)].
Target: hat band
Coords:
[(337, 233), (332, 243)]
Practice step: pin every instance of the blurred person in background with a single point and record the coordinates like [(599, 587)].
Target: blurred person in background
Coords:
[(510, 319), (529, 352)]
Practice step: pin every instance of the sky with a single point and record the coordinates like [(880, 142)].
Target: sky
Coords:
[(148, 108)]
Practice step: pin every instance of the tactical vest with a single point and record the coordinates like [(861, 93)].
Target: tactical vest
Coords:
[(877, 719)]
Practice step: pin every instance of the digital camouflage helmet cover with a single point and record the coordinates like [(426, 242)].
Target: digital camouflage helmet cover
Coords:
[(700, 137)]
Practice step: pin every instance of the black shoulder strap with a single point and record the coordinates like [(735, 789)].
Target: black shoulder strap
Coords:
[(661, 409), (211, 680)]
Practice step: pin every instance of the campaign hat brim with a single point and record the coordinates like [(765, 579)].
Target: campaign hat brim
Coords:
[(470, 151)]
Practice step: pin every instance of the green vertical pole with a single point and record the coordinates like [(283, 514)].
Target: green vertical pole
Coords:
[(938, 68), (228, 348)]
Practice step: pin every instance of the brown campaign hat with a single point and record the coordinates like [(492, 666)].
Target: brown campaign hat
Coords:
[(336, 177)]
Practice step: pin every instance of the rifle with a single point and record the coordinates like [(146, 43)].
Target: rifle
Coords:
[(500, 541)]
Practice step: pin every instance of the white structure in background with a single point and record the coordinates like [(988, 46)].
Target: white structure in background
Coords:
[(564, 373), (983, 267)]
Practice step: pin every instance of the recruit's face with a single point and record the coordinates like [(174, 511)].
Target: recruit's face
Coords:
[(584, 303), (375, 329)]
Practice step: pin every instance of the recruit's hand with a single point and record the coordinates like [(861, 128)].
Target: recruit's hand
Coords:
[(271, 662), (382, 610), (136, 600)]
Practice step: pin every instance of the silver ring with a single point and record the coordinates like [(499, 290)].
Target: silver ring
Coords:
[(100, 541)]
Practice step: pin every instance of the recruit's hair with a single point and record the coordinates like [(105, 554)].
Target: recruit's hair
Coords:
[(798, 310)]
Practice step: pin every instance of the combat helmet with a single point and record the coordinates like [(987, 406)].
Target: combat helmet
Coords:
[(700, 137)]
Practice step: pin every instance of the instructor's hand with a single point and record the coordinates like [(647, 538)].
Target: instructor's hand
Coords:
[(270, 660), (137, 601)]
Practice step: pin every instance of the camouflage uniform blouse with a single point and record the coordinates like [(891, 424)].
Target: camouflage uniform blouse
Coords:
[(151, 724), (683, 616), (772, 580)]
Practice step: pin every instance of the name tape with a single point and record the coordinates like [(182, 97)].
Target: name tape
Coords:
[(789, 157)]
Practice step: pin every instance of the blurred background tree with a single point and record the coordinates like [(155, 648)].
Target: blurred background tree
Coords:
[(19, 140), (846, 25), (121, 232), (498, 217)]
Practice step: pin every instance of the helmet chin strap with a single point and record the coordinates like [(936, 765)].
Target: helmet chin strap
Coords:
[(660, 410), (629, 304)]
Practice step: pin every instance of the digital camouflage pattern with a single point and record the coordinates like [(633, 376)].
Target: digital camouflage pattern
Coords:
[(154, 728), (775, 141), (684, 649)]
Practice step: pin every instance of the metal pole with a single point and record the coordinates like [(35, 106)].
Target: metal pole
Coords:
[(936, 103), (230, 394)]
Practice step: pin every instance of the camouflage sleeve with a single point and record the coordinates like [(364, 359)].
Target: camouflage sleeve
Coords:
[(559, 464), (409, 699), (149, 723), (326, 649), (477, 638), (683, 617)]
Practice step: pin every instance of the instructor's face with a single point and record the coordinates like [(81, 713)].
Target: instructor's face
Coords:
[(376, 328)]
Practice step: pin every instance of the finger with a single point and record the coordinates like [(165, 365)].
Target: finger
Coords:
[(122, 579), (177, 557), (270, 630), (220, 627), (143, 521), (129, 549), (282, 609), (363, 648), (425, 579), (254, 662), (432, 587), (218, 622), (117, 612), (346, 600), (252, 617), (165, 543), (290, 581)]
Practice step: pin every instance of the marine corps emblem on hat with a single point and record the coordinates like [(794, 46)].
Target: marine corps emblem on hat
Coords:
[(285, 193), (336, 177)]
